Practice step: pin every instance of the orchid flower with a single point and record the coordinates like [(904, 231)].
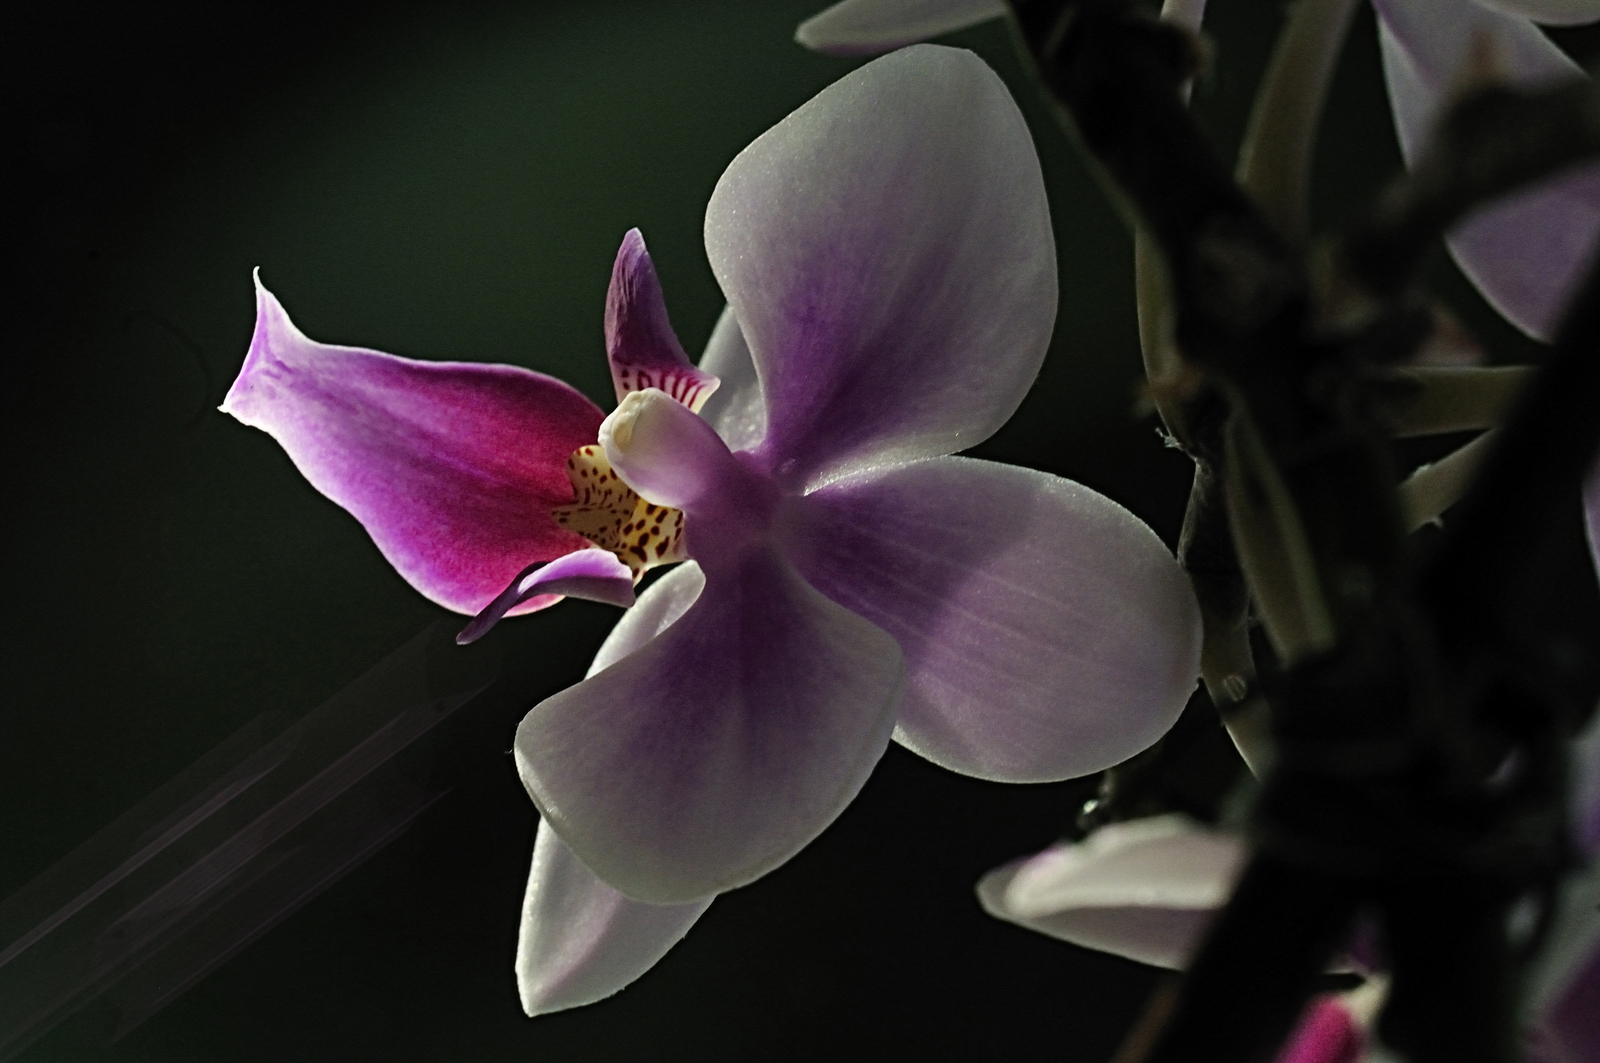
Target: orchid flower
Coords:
[(1528, 251), (887, 256), (1146, 889)]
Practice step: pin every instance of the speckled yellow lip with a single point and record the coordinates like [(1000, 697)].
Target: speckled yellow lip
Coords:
[(611, 515)]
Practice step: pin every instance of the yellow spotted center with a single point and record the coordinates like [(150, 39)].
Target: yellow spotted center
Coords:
[(611, 515)]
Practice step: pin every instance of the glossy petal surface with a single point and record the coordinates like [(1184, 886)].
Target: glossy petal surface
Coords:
[(641, 346), (596, 575), (736, 409), (718, 749), (1526, 252), (1144, 889), (887, 251), (1048, 633), (580, 940), (451, 467), (867, 27)]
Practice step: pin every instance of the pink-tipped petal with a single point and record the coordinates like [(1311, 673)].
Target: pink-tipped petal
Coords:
[(868, 27), (1144, 889), (595, 575), (643, 350), (887, 250), (1548, 12), (736, 410), (1526, 252), (581, 940), (1326, 1033), (713, 753), (452, 468), (1047, 632)]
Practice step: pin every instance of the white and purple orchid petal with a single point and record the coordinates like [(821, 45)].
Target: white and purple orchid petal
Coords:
[(736, 410), (1548, 12), (1144, 889), (643, 350), (667, 454), (714, 752), (595, 575), (1047, 631), (581, 940), (1526, 252), (452, 468), (887, 251), (868, 27)]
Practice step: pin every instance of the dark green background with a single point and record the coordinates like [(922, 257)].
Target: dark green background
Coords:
[(451, 181)]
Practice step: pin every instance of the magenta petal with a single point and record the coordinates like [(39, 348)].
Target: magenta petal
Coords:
[(713, 753), (1326, 1033), (887, 250), (737, 410), (452, 468), (867, 27), (596, 575), (643, 350), (1047, 632), (581, 940), (1526, 253)]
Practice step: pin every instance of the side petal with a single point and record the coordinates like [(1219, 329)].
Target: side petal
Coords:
[(1047, 632), (641, 347), (713, 753), (867, 27), (1145, 889), (452, 468), (736, 410), (1526, 252), (887, 251), (596, 575), (580, 940)]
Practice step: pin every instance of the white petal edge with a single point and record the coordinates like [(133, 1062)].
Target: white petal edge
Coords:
[(580, 941)]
